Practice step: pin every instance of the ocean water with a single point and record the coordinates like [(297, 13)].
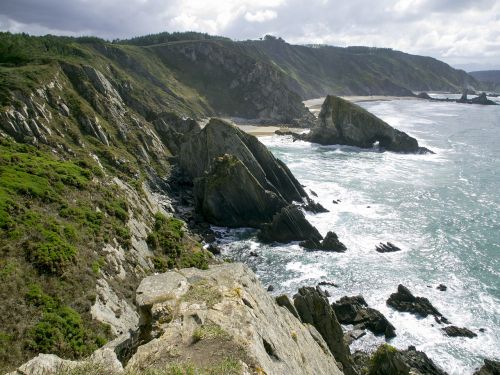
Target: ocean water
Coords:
[(443, 210)]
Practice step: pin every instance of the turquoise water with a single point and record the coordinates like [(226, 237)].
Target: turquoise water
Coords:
[(443, 210)]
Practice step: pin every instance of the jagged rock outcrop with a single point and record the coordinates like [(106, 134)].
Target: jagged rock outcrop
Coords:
[(238, 182), (224, 312), (343, 122), (313, 308), (216, 320), (454, 331), (489, 368), (218, 138), (405, 301), (331, 242), (386, 248), (354, 310), (173, 130), (229, 195), (287, 225), (388, 360), (482, 99)]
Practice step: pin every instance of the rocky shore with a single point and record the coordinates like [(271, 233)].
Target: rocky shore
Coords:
[(345, 123)]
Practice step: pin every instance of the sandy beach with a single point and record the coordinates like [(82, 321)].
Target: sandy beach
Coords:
[(314, 105), (261, 131)]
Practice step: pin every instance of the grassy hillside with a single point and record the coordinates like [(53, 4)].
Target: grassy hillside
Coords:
[(489, 78), (315, 71), (76, 146)]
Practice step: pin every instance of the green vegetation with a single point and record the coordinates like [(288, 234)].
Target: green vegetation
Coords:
[(226, 366), (210, 332), (55, 215), (61, 329), (166, 37), (383, 356), (173, 247), (203, 291)]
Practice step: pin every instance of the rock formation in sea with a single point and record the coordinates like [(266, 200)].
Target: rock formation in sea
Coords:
[(345, 123), (490, 367), (405, 301), (238, 182), (354, 310)]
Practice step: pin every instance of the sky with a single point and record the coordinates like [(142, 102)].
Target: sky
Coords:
[(463, 33)]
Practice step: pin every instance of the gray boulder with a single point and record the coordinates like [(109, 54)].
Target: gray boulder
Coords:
[(343, 122)]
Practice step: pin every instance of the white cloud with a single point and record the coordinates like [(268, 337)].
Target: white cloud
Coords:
[(460, 32), (261, 16)]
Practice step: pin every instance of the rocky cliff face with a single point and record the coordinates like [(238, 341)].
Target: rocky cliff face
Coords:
[(235, 83), (237, 181), (342, 122)]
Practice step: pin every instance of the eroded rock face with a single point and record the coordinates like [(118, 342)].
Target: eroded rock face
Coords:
[(342, 122), (208, 316), (218, 138), (238, 182), (354, 310), (289, 224), (313, 308), (229, 195), (173, 129)]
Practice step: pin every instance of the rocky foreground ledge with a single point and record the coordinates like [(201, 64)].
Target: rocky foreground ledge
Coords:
[(218, 321), (222, 321)]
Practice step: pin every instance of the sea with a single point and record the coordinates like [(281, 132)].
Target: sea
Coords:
[(442, 210)]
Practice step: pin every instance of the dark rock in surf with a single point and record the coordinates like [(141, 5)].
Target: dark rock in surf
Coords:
[(405, 301), (386, 248), (482, 99), (442, 287), (330, 243), (489, 368), (354, 310), (454, 331)]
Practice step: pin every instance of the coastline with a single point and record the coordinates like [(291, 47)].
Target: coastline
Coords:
[(314, 105)]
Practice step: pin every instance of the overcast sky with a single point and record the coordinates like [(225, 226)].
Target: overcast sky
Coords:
[(463, 33)]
